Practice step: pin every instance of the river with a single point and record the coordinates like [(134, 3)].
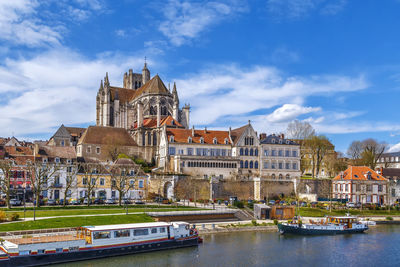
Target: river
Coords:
[(380, 246)]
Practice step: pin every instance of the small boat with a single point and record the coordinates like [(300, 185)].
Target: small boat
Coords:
[(330, 225), (92, 242)]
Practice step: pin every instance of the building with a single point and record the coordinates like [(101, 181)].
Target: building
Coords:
[(360, 184), (246, 148), (140, 107), (106, 143), (200, 153), (279, 157), (393, 176), (389, 160), (66, 136)]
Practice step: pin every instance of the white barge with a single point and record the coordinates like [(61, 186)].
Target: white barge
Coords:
[(91, 242)]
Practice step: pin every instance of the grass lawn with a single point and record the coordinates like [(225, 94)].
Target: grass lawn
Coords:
[(316, 212), (75, 222), (99, 210)]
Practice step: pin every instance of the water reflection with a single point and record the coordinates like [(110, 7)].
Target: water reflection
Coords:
[(378, 247)]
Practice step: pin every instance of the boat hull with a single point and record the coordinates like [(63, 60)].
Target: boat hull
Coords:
[(289, 229), (47, 259)]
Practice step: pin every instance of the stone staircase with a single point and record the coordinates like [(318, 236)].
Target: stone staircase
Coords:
[(244, 214)]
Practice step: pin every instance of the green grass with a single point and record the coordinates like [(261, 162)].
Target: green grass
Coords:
[(317, 212), (75, 222), (99, 210)]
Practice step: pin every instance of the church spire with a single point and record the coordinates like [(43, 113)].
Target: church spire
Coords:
[(175, 93), (145, 73), (106, 81), (101, 86)]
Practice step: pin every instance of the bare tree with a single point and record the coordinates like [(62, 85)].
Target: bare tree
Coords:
[(299, 130), (41, 176), (113, 148), (120, 179), (70, 179), (355, 149), (90, 176), (5, 175), (372, 151)]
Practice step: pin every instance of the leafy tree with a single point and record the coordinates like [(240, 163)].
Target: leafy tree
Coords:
[(318, 146), (5, 175)]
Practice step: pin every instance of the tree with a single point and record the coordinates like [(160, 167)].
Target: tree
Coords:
[(355, 149), (41, 176), (90, 175), (372, 151), (113, 148), (70, 179), (5, 175), (299, 130), (318, 147), (120, 179)]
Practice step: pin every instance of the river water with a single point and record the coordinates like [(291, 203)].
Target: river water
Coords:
[(380, 246)]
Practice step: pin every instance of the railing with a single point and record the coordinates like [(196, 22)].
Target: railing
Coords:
[(193, 212), (42, 238)]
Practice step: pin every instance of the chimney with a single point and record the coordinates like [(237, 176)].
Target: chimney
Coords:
[(230, 130), (193, 130), (263, 136), (205, 129), (282, 136)]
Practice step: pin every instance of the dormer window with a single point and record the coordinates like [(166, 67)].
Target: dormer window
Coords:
[(57, 160), (273, 141), (44, 160), (201, 140), (171, 139), (280, 141), (226, 141), (287, 141), (190, 140), (215, 141)]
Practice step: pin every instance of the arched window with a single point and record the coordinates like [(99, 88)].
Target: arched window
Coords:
[(153, 111), (149, 138), (201, 140), (246, 164), (256, 152), (171, 139), (241, 152), (273, 176), (226, 141), (287, 176), (251, 164), (280, 176), (215, 141), (251, 152), (255, 164), (246, 152), (190, 140), (241, 164)]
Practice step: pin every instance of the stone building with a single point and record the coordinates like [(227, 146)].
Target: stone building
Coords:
[(105, 143), (360, 184), (66, 136), (389, 160), (140, 107), (393, 176), (200, 153), (279, 157)]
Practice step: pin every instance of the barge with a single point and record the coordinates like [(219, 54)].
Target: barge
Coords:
[(331, 225), (92, 242)]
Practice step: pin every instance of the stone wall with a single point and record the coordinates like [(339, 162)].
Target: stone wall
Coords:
[(275, 189), (320, 187)]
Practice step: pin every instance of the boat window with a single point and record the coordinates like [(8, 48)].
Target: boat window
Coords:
[(101, 235), (59, 250), (122, 233), (24, 252), (162, 230), (154, 230), (40, 251), (138, 232), (73, 248)]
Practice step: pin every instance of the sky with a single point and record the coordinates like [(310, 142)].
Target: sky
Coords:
[(332, 63)]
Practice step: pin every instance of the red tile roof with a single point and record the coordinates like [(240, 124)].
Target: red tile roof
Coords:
[(152, 123), (182, 136), (359, 173)]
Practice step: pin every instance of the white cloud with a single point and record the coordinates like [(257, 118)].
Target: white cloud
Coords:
[(394, 148), (222, 92), (296, 9), (18, 24), (289, 112), (55, 87), (185, 20)]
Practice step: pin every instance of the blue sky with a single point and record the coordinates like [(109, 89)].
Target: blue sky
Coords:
[(332, 63)]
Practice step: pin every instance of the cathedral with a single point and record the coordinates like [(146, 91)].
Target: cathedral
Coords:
[(142, 106)]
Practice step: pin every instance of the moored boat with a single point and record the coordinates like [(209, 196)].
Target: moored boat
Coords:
[(330, 225), (91, 242)]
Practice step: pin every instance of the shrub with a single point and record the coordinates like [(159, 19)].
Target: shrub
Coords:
[(275, 221), (389, 218), (238, 204), (14, 217), (250, 205), (3, 216), (254, 222)]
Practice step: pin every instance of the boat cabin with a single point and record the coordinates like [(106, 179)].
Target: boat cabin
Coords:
[(342, 220)]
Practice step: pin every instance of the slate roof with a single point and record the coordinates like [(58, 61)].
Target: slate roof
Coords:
[(359, 173), (237, 133), (104, 135), (277, 140)]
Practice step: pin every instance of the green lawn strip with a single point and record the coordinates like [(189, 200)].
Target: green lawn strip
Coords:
[(75, 222), (316, 212), (59, 212)]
